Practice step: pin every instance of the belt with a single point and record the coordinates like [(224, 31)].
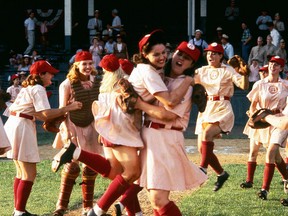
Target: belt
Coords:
[(22, 115), (155, 125), (217, 98)]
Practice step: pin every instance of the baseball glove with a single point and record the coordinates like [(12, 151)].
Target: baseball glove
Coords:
[(199, 97), (52, 125), (128, 97), (239, 65), (256, 120)]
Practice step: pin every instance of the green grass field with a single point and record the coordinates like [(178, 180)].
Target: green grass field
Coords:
[(231, 200)]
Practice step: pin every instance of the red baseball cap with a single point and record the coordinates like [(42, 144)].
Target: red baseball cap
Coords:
[(126, 65), (109, 63), (189, 49), (83, 56), (157, 36), (42, 66), (264, 68), (278, 60), (14, 76), (215, 47)]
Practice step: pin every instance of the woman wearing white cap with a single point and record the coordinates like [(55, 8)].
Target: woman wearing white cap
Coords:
[(218, 117), (31, 103), (270, 92)]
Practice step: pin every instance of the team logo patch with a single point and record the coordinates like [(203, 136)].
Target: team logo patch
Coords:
[(273, 89), (214, 44), (214, 74)]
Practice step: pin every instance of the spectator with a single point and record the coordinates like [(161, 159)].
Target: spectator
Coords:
[(13, 90), (258, 52), (254, 72), (22, 76), (30, 26), (116, 23), (94, 25), (14, 59), (96, 50), (270, 49), (109, 46), (25, 63), (201, 44), (120, 48), (279, 24), (44, 34), (169, 51), (228, 48), (232, 21), (218, 37), (262, 21), (274, 34), (281, 51), (245, 42)]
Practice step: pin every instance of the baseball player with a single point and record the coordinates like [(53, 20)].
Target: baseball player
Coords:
[(271, 93), (218, 117), (120, 135), (13, 90), (82, 84), (164, 157), (31, 103)]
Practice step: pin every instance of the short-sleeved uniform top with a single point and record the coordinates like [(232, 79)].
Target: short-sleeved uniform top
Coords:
[(164, 156), (87, 137), (267, 95), (218, 82), (13, 91), (21, 132)]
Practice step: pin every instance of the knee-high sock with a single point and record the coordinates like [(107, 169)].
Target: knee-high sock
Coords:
[(116, 188), (215, 164), (15, 188), (96, 162), (130, 199), (251, 167), (206, 152), (169, 210), (23, 193), (268, 175), (282, 169)]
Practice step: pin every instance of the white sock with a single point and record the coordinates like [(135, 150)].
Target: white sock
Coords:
[(76, 153), (121, 206), (18, 213), (98, 210)]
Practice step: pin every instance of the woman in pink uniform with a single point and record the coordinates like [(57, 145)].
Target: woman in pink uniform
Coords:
[(120, 135), (218, 117), (31, 103), (271, 93), (13, 90), (164, 155), (82, 84)]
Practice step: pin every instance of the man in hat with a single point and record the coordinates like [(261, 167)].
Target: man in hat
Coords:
[(228, 48), (116, 23), (94, 25)]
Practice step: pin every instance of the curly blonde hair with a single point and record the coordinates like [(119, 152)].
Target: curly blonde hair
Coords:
[(110, 80)]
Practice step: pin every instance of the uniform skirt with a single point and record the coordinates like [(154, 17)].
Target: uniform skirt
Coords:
[(165, 165), (22, 135)]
